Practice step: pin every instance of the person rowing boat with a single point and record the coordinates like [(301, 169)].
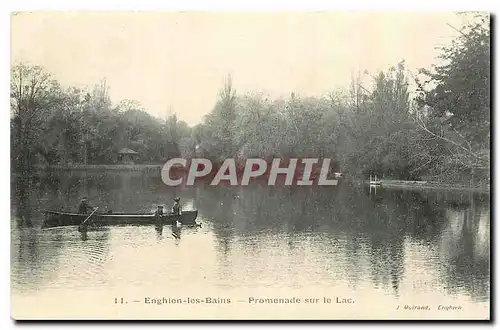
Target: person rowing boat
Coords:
[(85, 206)]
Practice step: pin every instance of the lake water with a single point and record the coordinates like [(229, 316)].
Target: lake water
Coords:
[(377, 251)]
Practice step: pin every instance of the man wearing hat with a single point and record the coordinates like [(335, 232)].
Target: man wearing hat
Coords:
[(177, 208), (84, 206)]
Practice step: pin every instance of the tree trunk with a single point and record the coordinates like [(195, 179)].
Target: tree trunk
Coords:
[(23, 178), (472, 177)]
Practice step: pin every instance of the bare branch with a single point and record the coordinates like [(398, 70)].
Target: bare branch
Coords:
[(422, 125), (454, 28)]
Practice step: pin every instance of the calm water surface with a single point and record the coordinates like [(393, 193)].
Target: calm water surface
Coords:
[(384, 244)]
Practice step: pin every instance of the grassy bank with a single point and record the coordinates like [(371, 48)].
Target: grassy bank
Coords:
[(100, 167), (386, 183)]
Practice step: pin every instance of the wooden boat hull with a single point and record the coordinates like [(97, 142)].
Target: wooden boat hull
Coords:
[(58, 219)]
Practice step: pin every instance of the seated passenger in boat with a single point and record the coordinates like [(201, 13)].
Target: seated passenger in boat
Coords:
[(159, 215), (159, 210), (84, 206)]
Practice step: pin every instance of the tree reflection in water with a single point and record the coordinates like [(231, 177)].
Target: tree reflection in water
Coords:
[(291, 235), (360, 224)]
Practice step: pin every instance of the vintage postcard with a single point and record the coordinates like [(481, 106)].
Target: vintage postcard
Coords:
[(250, 165)]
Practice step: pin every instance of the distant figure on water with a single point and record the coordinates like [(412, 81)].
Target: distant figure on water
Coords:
[(84, 206)]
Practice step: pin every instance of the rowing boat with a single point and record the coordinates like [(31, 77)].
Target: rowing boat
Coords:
[(59, 219)]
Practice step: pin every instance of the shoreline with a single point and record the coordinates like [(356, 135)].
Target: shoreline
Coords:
[(430, 185), (83, 167), (396, 184), (98, 168)]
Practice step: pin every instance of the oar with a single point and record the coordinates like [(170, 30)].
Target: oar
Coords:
[(88, 217)]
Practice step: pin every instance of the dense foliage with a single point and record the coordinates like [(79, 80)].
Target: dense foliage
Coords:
[(52, 125), (456, 99), (442, 133)]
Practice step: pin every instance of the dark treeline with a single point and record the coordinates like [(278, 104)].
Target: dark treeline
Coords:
[(441, 132), (53, 125)]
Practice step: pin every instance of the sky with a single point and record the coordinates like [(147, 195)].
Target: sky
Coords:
[(177, 62)]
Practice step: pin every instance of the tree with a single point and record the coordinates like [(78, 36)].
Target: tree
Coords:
[(32, 94), (222, 120), (455, 96), (174, 137), (378, 127)]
